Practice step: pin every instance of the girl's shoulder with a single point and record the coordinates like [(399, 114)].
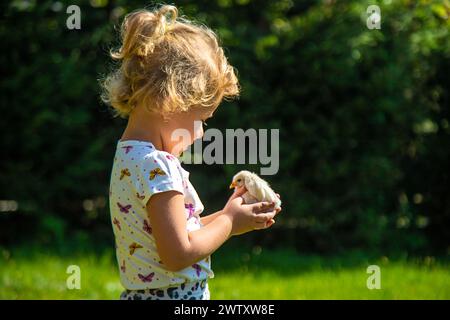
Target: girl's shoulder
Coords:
[(146, 170), (144, 155)]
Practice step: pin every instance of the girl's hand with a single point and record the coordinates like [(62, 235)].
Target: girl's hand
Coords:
[(248, 217), (272, 221)]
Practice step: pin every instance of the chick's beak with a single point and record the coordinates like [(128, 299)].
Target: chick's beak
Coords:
[(232, 185)]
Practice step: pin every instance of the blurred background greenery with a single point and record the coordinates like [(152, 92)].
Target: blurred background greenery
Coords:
[(364, 139)]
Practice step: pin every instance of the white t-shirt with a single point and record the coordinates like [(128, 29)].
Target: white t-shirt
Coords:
[(140, 171)]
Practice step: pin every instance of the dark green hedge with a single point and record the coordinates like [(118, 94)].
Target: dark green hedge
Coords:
[(363, 118)]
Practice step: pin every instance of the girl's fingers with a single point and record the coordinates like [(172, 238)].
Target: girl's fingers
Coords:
[(264, 217), (264, 225), (260, 225), (238, 192), (270, 223), (262, 207)]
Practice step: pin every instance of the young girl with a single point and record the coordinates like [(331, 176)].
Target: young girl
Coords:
[(172, 73)]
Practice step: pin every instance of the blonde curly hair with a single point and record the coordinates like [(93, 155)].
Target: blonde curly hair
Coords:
[(169, 64)]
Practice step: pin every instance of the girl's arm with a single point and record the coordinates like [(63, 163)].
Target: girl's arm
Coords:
[(179, 249), (207, 219)]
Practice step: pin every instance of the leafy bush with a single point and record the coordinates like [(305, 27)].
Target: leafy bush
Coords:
[(363, 118)]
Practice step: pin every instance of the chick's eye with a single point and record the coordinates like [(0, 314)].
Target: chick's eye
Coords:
[(238, 180)]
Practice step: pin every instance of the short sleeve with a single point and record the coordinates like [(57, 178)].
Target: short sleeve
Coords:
[(160, 172)]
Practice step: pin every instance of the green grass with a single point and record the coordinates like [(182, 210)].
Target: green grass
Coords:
[(27, 273)]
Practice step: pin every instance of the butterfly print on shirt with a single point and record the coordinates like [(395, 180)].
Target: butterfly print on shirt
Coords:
[(117, 223), (124, 172), (197, 268), (140, 197), (147, 278), (122, 267), (133, 247), (147, 227), (127, 149), (155, 172), (190, 207), (170, 157), (124, 208)]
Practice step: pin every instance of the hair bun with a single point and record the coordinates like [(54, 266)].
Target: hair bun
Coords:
[(141, 30), (167, 10)]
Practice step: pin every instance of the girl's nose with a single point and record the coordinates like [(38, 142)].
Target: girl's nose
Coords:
[(198, 132)]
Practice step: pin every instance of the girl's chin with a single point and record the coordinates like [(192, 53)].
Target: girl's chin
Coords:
[(179, 151)]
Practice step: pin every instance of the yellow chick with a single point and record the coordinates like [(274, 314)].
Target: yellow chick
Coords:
[(257, 189)]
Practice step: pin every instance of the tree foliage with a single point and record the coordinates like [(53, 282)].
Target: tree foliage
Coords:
[(363, 117)]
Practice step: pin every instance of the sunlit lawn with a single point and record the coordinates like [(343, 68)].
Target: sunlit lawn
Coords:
[(240, 274)]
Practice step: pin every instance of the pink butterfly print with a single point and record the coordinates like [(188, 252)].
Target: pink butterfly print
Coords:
[(117, 223), (190, 207), (124, 209), (127, 149), (147, 227), (122, 267), (197, 269), (147, 278), (170, 157)]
